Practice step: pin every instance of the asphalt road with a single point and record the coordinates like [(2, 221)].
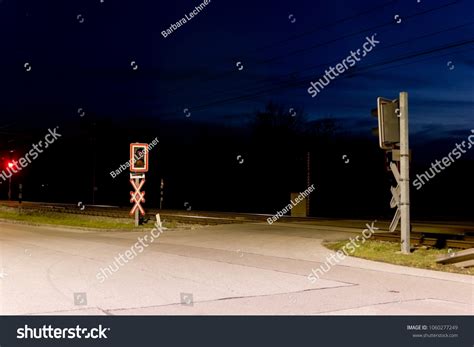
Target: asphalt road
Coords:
[(252, 268)]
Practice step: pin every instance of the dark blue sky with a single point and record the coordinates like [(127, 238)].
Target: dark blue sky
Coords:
[(88, 65)]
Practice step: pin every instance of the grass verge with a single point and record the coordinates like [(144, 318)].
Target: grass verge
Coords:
[(388, 252), (64, 219)]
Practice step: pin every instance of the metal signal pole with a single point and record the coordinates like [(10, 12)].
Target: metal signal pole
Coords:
[(404, 175), (137, 212)]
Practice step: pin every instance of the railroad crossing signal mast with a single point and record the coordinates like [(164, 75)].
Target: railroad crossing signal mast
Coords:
[(138, 167), (393, 136)]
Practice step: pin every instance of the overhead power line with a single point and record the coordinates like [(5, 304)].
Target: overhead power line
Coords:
[(292, 84), (261, 83), (392, 22)]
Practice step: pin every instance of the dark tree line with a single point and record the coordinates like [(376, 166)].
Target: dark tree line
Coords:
[(249, 167)]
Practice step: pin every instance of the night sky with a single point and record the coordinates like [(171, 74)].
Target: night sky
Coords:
[(109, 59)]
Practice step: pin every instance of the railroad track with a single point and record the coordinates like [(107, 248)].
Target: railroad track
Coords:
[(438, 240), (117, 212), (453, 235)]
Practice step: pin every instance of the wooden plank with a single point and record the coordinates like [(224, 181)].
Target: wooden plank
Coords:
[(465, 264), (457, 257)]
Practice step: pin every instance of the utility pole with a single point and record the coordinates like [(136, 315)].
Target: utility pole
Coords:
[(94, 142), (308, 180), (404, 174), (20, 193), (10, 187), (162, 185)]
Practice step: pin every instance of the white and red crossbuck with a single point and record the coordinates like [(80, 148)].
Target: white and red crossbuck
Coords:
[(137, 197)]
